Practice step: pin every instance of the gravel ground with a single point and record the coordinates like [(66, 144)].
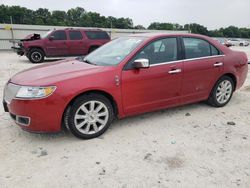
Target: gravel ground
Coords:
[(190, 146)]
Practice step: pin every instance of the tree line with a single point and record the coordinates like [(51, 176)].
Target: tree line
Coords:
[(79, 17)]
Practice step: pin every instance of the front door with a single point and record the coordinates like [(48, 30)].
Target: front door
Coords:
[(156, 87), (56, 44)]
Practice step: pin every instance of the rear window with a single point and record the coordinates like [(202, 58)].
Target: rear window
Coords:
[(195, 48), (97, 35), (75, 35)]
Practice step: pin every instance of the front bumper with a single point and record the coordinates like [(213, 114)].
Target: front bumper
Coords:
[(19, 50), (42, 116)]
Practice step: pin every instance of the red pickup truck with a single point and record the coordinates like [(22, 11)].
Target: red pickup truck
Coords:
[(58, 43)]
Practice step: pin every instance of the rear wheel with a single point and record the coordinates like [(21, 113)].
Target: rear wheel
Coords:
[(36, 55), (89, 116), (222, 92)]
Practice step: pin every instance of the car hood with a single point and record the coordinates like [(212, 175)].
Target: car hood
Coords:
[(31, 37), (52, 73)]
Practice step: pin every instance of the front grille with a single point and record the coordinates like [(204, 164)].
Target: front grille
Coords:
[(10, 92)]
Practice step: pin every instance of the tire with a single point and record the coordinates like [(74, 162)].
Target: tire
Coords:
[(241, 44), (93, 48), (221, 95), (36, 55), (85, 123)]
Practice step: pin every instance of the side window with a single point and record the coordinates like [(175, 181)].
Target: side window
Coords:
[(75, 35), (97, 35), (160, 51), (214, 51), (59, 35), (195, 48)]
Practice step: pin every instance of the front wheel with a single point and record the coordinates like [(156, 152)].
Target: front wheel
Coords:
[(36, 55), (222, 92), (89, 116)]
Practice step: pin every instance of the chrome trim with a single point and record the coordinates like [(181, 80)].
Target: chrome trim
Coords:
[(184, 60), (175, 71), (10, 91), (218, 64)]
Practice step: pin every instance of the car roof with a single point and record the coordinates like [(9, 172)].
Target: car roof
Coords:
[(153, 36), (85, 29), (156, 35)]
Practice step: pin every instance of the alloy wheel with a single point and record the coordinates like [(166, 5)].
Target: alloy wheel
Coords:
[(91, 117), (224, 91)]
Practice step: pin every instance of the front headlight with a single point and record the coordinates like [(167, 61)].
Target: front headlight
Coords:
[(34, 92)]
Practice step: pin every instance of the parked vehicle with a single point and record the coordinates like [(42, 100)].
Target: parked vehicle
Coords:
[(238, 42), (223, 41), (58, 43), (127, 76)]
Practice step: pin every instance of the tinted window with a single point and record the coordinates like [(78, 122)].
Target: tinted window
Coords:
[(159, 51), (59, 35), (75, 35), (97, 35), (214, 51), (195, 48)]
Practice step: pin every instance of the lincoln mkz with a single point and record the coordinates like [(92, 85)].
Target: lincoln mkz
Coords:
[(127, 76)]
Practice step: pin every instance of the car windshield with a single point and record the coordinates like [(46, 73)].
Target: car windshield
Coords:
[(45, 35), (113, 52)]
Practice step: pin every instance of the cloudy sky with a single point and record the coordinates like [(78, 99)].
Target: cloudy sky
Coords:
[(211, 13)]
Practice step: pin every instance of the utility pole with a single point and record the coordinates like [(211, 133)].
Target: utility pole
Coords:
[(11, 30), (111, 26)]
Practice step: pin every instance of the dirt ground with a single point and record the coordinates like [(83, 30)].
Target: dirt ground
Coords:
[(190, 146)]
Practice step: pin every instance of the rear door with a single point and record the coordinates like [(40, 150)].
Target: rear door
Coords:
[(201, 68), (156, 87), (77, 46), (56, 44)]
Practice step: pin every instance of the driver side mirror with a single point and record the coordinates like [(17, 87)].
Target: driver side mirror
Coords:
[(141, 63), (51, 37)]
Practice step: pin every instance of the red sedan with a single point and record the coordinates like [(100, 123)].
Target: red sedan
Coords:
[(128, 76)]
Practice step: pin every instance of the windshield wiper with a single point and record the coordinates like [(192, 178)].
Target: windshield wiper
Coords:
[(83, 59), (89, 62)]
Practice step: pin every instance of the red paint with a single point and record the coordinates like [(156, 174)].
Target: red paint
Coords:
[(56, 48), (138, 91)]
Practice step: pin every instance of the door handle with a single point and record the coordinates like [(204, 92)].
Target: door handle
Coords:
[(218, 64), (175, 71)]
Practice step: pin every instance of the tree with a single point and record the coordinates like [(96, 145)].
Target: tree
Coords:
[(42, 16), (74, 16), (196, 28), (79, 17), (59, 18), (231, 31), (4, 16), (216, 33), (161, 26), (141, 27)]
